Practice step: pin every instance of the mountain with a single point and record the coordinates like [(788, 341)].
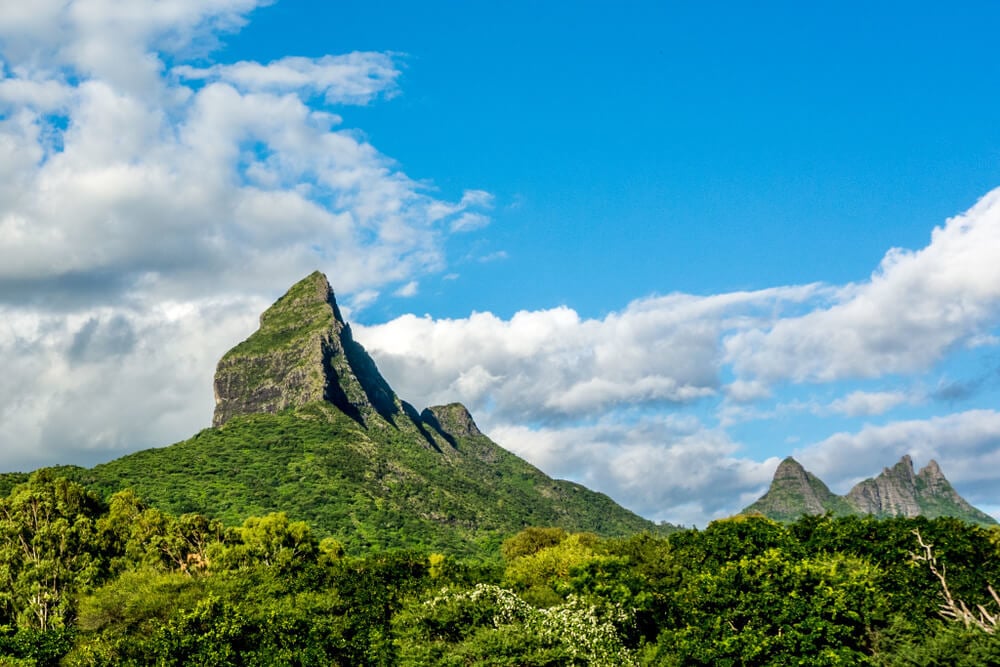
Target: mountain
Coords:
[(794, 492), (897, 491), (304, 423)]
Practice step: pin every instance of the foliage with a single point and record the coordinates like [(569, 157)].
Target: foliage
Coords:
[(490, 625), (769, 609), (49, 548), (367, 488), (88, 583), (903, 644)]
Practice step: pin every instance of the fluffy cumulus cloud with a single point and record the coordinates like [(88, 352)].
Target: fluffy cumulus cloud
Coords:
[(665, 468), (553, 365), (575, 396), (914, 309), (134, 195), (85, 386)]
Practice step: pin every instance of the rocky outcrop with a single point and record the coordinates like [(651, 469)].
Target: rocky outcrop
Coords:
[(452, 419), (303, 352), (892, 493), (900, 492), (897, 491)]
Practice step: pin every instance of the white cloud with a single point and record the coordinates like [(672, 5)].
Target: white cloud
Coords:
[(915, 308), (113, 41), (867, 403), (276, 187), (554, 365), (468, 222), (353, 78), (665, 468), (747, 391), (105, 381), (497, 256), (41, 96), (409, 289)]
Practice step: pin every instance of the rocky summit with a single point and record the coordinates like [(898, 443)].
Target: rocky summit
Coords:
[(897, 491), (305, 424), (303, 352)]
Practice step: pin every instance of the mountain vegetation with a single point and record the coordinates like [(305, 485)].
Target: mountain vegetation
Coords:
[(305, 424), (897, 491), (321, 520)]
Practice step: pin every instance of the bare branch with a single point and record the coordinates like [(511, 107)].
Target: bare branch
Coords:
[(950, 608)]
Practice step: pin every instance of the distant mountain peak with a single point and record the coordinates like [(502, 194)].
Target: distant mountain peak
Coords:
[(897, 491), (795, 491), (302, 352)]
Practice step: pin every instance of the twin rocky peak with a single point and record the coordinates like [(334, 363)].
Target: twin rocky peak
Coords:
[(303, 353), (897, 491)]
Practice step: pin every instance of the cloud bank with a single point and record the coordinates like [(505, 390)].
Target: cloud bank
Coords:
[(585, 398)]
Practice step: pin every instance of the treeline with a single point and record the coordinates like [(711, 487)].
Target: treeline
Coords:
[(84, 581)]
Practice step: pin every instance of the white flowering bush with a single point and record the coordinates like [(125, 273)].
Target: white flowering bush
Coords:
[(492, 625)]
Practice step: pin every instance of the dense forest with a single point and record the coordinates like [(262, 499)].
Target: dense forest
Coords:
[(86, 580)]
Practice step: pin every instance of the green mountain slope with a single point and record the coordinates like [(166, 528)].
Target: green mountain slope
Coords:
[(306, 424), (794, 492)]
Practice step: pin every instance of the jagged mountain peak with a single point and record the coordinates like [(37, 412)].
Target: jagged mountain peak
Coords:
[(303, 352), (789, 465), (897, 491), (306, 424), (931, 470), (795, 491), (902, 470)]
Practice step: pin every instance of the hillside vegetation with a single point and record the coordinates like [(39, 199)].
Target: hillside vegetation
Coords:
[(369, 489), (123, 583)]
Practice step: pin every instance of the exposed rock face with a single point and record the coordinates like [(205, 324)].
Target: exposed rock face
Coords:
[(892, 493), (897, 491), (303, 352), (900, 492), (452, 419)]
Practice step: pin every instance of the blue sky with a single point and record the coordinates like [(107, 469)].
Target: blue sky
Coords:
[(654, 248), (749, 146)]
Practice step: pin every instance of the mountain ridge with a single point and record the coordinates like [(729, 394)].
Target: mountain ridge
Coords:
[(896, 491), (305, 423)]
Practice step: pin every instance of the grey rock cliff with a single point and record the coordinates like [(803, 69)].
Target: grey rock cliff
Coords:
[(892, 493)]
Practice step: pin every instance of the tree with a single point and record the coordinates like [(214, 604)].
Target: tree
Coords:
[(774, 610), (488, 625), (272, 541), (49, 548)]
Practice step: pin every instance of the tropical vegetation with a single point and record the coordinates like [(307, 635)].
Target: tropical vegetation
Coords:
[(89, 579)]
